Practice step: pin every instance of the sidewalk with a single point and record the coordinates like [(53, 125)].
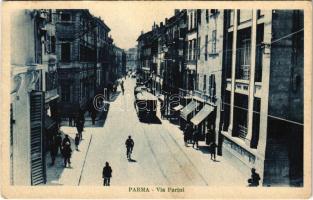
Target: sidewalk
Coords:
[(221, 171), (58, 174)]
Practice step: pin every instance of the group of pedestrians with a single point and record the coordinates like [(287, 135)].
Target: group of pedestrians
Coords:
[(57, 144), (192, 136), (63, 146)]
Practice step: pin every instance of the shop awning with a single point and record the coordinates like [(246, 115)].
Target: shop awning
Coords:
[(188, 109), (177, 108), (49, 122), (204, 112)]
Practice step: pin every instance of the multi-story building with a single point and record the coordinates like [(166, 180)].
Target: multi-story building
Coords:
[(77, 55), (145, 56), (33, 94), (103, 63), (173, 74), (131, 59), (120, 62), (207, 93), (262, 93)]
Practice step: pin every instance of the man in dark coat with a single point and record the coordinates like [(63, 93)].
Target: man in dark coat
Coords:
[(195, 137), (129, 146), (65, 140), (67, 153), (255, 178), (106, 174), (213, 147)]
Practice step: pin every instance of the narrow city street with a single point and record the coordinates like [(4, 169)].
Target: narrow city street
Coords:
[(159, 156)]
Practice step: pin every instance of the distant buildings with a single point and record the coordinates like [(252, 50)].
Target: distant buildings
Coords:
[(131, 59), (239, 76)]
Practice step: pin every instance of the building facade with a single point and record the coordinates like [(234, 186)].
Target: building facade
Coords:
[(77, 55), (241, 84), (260, 126), (131, 59), (33, 94)]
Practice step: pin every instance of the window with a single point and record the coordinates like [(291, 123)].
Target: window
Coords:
[(199, 16), (206, 48), (52, 44), (191, 20), (214, 11), (245, 59), (207, 15), (194, 49), (199, 50), (190, 49), (214, 41), (195, 18), (212, 87), (65, 17), (204, 83), (65, 52)]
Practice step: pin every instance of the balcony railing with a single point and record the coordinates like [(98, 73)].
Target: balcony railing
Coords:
[(242, 131), (242, 87)]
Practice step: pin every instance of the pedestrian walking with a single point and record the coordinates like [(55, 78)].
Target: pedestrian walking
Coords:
[(106, 174), (255, 178), (58, 142), (93, 116), (129, 147), (77, 141), (67, 153), (186, 134), (65, 140), (53, 151), (212, 148), (195, 138)]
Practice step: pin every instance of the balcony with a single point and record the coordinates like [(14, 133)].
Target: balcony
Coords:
[(184, 93), (242, 87)]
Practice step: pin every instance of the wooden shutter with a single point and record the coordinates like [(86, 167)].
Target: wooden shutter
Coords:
[(38, 173)]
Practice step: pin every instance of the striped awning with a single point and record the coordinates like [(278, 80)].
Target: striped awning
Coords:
[(200, 116), (187, 110)]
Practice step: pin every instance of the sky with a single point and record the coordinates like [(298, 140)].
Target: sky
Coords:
[(126, 21)]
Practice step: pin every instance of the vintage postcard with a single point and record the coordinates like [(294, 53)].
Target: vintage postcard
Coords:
[(156, 99)]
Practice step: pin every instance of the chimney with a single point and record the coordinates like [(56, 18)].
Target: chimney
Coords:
[(166, 21), (161, 24), (176, 11)]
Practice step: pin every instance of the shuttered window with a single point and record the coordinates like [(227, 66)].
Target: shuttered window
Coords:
[(38, 172)]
